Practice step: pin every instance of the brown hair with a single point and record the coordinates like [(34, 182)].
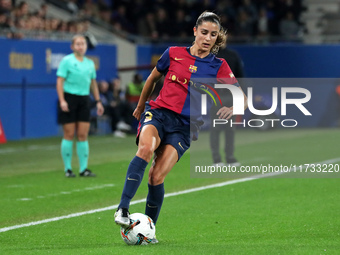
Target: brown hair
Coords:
[(74, 38), (222, 33)]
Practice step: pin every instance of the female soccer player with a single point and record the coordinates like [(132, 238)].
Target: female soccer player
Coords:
[(76, 74), (164, 128)]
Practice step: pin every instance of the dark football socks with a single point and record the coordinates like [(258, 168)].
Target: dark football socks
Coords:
[(154, 201), (133, 179)]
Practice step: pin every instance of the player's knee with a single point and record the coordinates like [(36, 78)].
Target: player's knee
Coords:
[(145, 152), (82, 137), (156, 178), (69, 135)]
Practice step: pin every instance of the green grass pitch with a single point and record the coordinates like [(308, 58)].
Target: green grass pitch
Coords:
[(261, 216)]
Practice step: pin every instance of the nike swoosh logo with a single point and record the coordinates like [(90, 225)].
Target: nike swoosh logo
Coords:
[(152, 206), (179, 58), (179, 143), (130, 179)]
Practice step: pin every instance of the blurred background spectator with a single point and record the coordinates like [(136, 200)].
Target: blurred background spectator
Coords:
[(18, 19), (134, 89), (157, 19), (115, 107), (288, 26)]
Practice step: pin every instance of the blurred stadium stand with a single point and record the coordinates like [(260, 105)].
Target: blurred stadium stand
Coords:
[(100, 33), (318, 22), (322, 21)]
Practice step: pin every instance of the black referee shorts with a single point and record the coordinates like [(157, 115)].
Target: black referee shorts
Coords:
[(79, 106)]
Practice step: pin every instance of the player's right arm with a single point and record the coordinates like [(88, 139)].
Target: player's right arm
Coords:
[(61, 76), (60, 90), (146, 92)]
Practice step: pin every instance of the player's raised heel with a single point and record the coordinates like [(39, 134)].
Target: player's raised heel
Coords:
[(122, 217), (154, 240)]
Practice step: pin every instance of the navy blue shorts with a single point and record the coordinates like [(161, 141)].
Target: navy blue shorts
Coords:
[(172, 128)]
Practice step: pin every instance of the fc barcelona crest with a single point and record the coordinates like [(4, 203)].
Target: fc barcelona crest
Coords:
[(193, 69)]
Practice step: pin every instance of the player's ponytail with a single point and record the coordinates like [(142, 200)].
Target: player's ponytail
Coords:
[(220, 41), (222, 34)]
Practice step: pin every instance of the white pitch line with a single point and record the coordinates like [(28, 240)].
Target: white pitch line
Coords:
[(113, 207), (68, 192)]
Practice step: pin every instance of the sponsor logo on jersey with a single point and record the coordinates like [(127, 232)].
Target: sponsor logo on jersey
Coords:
[(174, 78)]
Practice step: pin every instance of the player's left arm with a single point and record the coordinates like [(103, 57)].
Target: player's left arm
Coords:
[(225, 71), (227, 112), (95, 91)]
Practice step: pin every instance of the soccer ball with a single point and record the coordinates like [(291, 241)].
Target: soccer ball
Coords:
[(141, 230)]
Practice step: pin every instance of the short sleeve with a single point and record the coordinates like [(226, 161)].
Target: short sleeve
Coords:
[(94, 73), (225, 75), (62, 69), (163, 62)]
